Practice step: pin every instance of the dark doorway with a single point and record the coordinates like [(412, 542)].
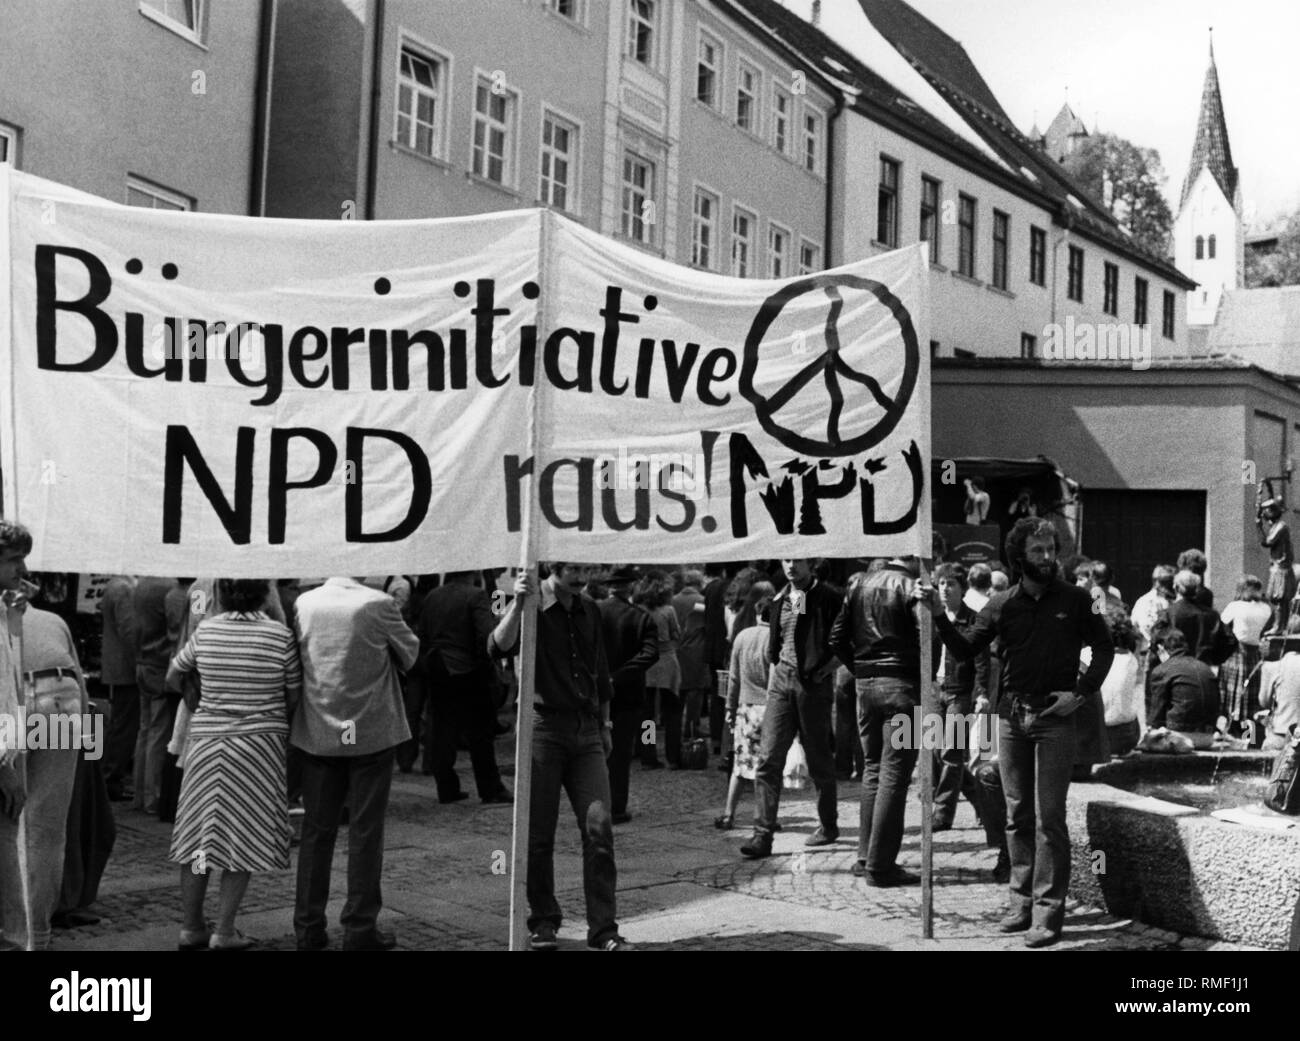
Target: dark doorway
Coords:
[(1133, 531)]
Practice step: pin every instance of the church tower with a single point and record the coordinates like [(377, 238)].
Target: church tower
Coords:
[(1209, 240)]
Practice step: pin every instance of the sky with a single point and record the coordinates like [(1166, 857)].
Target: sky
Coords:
[(1136, 68)]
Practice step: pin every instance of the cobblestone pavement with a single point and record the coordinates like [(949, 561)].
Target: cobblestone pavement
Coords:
[(682, 883)]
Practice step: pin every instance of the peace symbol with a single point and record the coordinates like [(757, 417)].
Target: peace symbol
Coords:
[(832, 367)]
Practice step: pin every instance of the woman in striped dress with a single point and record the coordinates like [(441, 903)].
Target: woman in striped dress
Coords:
[(234, 811)]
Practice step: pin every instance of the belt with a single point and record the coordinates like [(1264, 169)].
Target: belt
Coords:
[(1032, 700), (61, 671)]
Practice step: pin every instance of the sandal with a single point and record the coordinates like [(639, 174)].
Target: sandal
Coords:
[(722, 823)]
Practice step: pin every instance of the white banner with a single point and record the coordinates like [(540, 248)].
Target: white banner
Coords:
[(211, 395)]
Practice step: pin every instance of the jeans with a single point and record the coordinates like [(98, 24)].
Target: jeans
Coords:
[(123, 726), (328, 781), (627, 732), (157, 716), (952, 777), (50, 776), (568, 754), (1036, 755), (464, 704), (794, 708), (885, 705)]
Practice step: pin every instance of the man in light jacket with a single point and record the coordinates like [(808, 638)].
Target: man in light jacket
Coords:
[(354, 645)]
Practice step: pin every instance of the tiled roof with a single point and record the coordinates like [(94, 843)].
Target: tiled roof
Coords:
[(1211, 148), (919, 39), (1260, 326)]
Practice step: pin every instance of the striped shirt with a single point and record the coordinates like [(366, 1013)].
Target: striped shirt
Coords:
[(245, 662)]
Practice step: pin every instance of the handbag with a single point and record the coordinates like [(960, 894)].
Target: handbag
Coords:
[(1283, 791)]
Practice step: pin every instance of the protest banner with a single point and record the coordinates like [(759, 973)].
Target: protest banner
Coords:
[(216, 395)]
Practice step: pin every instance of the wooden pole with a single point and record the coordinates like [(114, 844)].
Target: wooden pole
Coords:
[(928, 710), (526, 662)]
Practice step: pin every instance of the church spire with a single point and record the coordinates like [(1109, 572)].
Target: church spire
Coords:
[(1211, 148)]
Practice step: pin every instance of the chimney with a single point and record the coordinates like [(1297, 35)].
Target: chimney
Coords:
[(817, 12)]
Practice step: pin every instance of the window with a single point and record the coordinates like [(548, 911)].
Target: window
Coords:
[(567, 8), (8, 145), (1167, 318), (1028, 345), (887, 203), (183, 17), (810, 257), (1001, 226), (1211, 247), (812, 141), (747, 82), (930, 216), (1140, 301), (641, 31), (704, 229), (1074, 287), (420, 103), (706, 71), (782, 106), (559, 163), (494, 117), (1110, 287), (1200, 247), (778, 244), (742, 242), (638, 198), (1038, 256), (966, 235), (155, 197)]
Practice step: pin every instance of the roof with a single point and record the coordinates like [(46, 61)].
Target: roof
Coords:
[(1064, 126), (1211, 148), (1075, 207), (918, 39), (1260, 327)]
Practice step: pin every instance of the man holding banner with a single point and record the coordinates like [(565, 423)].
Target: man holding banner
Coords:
[(571, 741)]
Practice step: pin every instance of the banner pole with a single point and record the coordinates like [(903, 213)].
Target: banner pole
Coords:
[(928, 711), (527, 659)]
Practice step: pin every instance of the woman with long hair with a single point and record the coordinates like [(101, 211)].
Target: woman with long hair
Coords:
[(654, 593), (234, 808), (747, 691)]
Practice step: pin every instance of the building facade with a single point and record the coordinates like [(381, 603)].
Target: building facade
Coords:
[(156, 103)]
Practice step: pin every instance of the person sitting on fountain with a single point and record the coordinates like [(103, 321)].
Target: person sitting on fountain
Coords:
[(1184, 692)]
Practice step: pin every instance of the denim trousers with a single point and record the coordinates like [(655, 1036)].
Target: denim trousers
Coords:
[(848, 745), (328, 782), (568, 755), (889, 753), (952, 776), (50, 776), (794, 707), (1036, 755)]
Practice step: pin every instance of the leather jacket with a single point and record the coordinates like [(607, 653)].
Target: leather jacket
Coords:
[(877, 628)]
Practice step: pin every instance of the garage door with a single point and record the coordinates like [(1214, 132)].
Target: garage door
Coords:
[(1133, 531)]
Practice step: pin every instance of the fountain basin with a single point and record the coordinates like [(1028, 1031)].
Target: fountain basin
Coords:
[(1170, 864)]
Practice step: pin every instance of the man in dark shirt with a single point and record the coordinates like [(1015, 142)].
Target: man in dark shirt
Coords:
[(800, 697), (1184, 691), (571, 741), (153, 652), (455, 622), (1042, 623), (632, 646)]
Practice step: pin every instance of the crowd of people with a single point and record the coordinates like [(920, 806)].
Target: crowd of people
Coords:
[(236, 705)]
